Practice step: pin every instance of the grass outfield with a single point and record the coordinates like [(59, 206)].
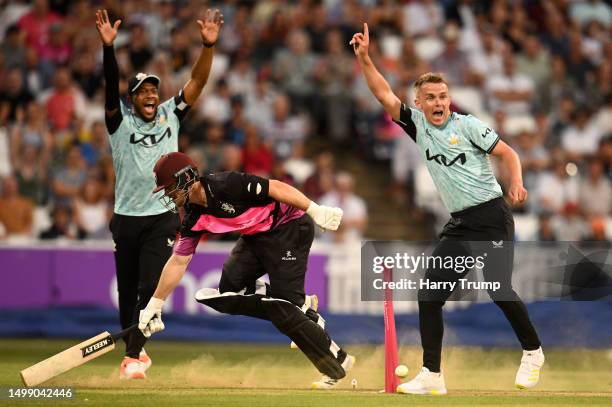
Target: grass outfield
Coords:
[(205, 374)]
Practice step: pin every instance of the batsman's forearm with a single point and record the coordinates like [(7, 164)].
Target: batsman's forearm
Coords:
[(171, 275), (285, 193), (376, 82)]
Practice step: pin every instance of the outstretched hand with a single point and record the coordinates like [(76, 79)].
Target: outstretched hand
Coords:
[(107, 32), (210, 27), (361, 42)]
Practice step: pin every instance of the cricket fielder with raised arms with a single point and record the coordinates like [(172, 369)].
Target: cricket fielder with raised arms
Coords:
[(455, 149), (275, 222), (143, 229)]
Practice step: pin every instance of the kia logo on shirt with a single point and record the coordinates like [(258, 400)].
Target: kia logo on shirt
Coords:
[(442, 160), (150, 140)]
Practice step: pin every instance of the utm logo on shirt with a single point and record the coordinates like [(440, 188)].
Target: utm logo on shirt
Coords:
[(442, 160), (150, 140)]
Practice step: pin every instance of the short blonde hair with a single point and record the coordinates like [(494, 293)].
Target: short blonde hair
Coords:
[(429, 77)]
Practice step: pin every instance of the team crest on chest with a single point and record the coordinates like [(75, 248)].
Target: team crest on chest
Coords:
[(228, 208), (453, 140)]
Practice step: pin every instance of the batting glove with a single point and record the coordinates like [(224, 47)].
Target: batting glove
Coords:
[(150, 320), (326, 217)]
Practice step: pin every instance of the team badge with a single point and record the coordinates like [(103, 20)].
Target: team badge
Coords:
[(453, 140), (228, 208)]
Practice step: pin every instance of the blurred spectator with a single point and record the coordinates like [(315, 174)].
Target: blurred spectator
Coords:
[(91, 211), (453, 61), (259, 103), (31, 174), (488, 61), (256, 156), (13, 48), (241, 78), (597, 230), (355, 216), (231, 158), (285, 132), (16, 211), (62, 225), (595, 190), (139, 48), (554, 190), (583, 12), (410, 64), (335, 75), (236, 127), (31, 130), (422, 17), (534, 62), (217, 105), (560, 85), (511, 91), (321, 180), (37, 24), (69, 178), (64, 102), (58, 50), (581, 137), (212, 149), (294, 69), (603, 118), (87, 74), (578, 66), (34, 79), (95, 145), (570, 226), (546, 229), (15, 97)]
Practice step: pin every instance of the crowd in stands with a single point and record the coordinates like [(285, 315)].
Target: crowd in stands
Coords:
[(283, 76)]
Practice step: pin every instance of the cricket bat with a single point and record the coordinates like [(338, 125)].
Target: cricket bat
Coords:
[(72, 357)]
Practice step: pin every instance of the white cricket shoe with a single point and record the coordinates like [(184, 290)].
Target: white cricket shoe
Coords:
[(144, 358), (310, 301), (327, 383), (528, 374), (425, 382), (132, 369)]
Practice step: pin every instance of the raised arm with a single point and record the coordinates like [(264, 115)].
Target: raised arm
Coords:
[(108, 33), (376, 82), (209, 30)]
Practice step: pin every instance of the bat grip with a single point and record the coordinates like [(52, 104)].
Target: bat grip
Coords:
[(123, 333)]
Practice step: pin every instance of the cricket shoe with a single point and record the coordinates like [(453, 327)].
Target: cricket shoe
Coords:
[(425, 382), (528, 374), (132, 369), (310, 302), (144, 358), (327, 383)]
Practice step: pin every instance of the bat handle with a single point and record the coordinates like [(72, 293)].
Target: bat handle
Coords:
[(125, 332)]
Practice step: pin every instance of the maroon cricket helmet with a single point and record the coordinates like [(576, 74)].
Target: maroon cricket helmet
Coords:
[(173, 168)]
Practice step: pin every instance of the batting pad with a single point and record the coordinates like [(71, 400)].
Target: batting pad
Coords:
[(233, 303), (307, 335)]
